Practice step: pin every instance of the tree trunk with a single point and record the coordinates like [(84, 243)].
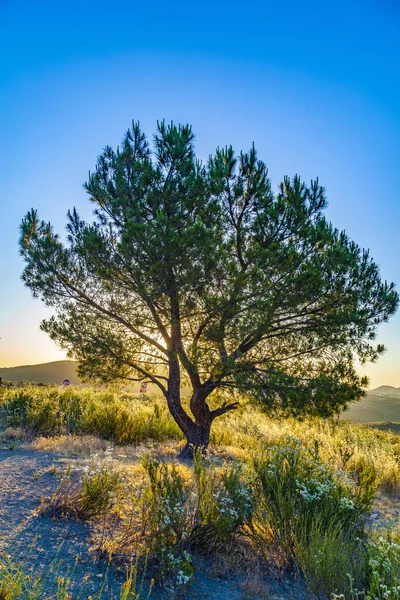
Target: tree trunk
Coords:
[(197, 439)]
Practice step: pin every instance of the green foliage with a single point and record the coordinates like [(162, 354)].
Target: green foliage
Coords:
[(383, 571), (101, 484), (201, 272), (384, 565), (183, 512), (309, 512), (328, 555), (223, 503), (17, 582), (347, 447), (120, 418), (47, 410), (202, 513), (115, 420), (368, 482), (292, 504), (297, 486), (25, 407), (167, 523), (166, 503)]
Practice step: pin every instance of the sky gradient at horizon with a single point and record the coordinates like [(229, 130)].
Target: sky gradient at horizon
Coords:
[(316, 87)]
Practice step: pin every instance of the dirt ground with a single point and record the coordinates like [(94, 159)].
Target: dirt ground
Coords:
[(62, 547)]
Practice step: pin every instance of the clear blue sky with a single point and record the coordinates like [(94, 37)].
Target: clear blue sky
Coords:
[(315, 85)]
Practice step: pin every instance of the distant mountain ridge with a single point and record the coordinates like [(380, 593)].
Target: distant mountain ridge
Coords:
[(385, 390), (53, 372)]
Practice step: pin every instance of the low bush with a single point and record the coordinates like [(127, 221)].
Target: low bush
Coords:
[(86, 496), (327, 554), (176, 511), (383, 571), (223, 503), (166, 504), (130, 423), (384, 566), (28, 408), (311, 512)]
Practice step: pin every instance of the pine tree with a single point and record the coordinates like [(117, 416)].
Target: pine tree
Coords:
[(200, 274)]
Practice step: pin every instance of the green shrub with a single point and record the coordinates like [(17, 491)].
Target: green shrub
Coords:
[(167, 514), (183, 511), (50, 411), (222, 503), (327, 555), (383, 571), (112, 421), (384, 565), (309, 511), (126, 424), (32, 410), (167, 506)]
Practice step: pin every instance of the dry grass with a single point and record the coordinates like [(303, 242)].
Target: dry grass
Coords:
[(14, 433), (83, 446), (70, 445)]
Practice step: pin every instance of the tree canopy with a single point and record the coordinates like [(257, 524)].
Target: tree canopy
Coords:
[(201, 273)]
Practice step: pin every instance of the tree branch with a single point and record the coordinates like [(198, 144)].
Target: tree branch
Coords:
[(223, 409)]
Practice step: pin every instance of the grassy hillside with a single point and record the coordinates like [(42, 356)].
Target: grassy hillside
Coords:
[(380, 406), (53, 372), (273, 498), (125, 418)]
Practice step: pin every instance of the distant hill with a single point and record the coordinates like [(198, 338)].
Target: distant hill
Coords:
[(379, 405), (385, 390), (53, 372)]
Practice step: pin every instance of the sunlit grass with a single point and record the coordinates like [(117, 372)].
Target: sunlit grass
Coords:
[(126, 419), (124, 449)]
